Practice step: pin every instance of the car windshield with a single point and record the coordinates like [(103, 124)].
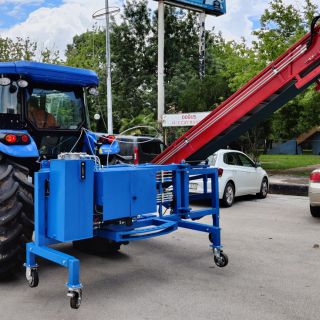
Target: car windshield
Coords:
[(50, 108), (9, 99)]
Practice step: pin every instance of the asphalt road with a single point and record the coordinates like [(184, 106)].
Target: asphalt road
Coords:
[(273, 273)]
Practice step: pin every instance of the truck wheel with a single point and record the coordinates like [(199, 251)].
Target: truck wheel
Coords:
[(97, 245), (16, 215)]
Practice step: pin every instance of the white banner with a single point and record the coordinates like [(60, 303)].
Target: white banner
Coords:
[(183, 119)]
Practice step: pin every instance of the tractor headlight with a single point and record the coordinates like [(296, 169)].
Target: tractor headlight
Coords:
[(93, 91), (22, 83), (4, 81)]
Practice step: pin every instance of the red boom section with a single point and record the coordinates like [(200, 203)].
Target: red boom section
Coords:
[(291, 73)]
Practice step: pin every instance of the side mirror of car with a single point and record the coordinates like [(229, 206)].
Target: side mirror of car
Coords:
[(258, 164)]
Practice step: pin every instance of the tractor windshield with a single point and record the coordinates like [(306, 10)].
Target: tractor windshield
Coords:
[(51, 108), (9, 99)]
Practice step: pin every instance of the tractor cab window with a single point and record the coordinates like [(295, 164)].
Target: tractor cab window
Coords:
[(9, 99), (55, 109)]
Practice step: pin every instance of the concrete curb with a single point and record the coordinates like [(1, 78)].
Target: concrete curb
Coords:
[(288, 189)]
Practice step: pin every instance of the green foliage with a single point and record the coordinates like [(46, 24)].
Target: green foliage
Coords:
[(25, 49), (281, 26), (283, 162), (134, 65)]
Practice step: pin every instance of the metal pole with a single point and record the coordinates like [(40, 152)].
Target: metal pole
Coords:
[(108, 64), (161, 99), (202, 44)]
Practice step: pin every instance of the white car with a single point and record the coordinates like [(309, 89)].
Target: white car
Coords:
[(314, 193), (238, 176)]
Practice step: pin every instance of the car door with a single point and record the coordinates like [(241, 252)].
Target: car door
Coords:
[(247, 174)]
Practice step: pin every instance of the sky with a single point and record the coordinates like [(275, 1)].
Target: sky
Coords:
[(53, 23)]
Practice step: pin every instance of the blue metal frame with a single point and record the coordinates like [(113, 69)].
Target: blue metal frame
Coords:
[(143, 226)]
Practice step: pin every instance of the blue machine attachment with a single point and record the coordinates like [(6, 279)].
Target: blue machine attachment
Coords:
[(76, 199), (101, 144)]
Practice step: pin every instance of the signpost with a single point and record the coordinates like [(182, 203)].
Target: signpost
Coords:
[(211, 7), (183, 119)]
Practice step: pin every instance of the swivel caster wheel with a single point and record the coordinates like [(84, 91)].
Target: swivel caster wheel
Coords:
[(221, 260), (75, 298), (32, 277)]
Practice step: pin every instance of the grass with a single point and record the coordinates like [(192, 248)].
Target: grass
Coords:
[(281, 162)]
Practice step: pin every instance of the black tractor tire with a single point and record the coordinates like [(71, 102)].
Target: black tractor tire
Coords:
[(16, 216), (97, 246)]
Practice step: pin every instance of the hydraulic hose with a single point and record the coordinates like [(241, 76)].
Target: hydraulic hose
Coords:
[(312, 31)]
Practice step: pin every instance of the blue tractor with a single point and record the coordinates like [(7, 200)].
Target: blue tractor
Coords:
[(43, 113)]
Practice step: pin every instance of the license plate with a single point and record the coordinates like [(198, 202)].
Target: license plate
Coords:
[(193, 186)]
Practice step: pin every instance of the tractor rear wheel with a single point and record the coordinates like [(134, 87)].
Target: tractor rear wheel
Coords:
[(16, 215)]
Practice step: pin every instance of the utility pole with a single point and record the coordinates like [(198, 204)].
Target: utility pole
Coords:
[(161, 97), (99, 15), (202, 44), (108, 64)]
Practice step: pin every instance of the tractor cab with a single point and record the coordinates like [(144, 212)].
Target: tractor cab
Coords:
[(47, 103)]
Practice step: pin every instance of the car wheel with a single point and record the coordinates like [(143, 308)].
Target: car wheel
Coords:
[(315, 211), (228, 195), (263, 189)]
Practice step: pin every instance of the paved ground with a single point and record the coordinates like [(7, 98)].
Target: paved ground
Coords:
[(273, 273)]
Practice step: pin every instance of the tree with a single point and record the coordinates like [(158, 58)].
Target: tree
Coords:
[(25, 49), (134, 64)]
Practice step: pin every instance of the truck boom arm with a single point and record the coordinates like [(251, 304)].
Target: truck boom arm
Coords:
[(281, 81)]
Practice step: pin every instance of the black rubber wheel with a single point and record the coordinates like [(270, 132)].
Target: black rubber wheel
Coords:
[(263, 189), (75, 300), (315, 211), (222, 261), (16, 216), (228, 195), (34, 281), (97, 246)]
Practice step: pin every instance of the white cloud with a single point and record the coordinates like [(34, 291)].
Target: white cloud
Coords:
[(237, 23), (55, 27)]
